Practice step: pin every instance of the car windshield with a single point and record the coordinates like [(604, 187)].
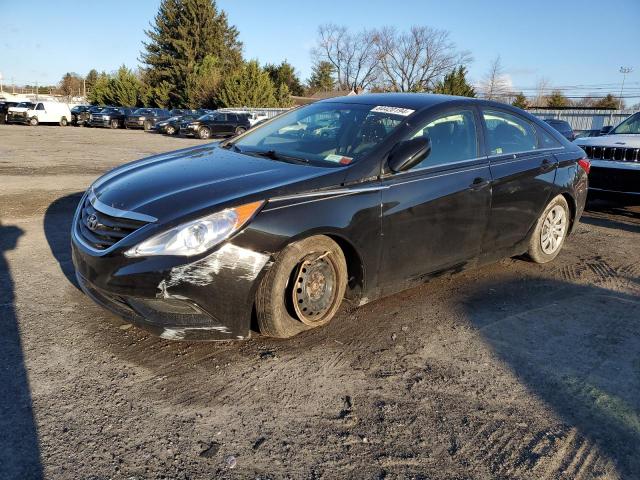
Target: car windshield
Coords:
[(630, 126), (143, 111), (110, 110), (325, 134), (26, 105)]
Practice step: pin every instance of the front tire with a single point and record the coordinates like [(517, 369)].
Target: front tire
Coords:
[(170, 130), (204, 133), (114, 124), (550, 231), (33, 121), (303, 289), (147, 125)]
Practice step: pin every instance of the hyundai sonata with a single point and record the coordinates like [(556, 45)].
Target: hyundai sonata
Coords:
[(355, 197)]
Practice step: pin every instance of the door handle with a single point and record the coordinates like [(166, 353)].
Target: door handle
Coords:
[(478, 183), (546, 165)]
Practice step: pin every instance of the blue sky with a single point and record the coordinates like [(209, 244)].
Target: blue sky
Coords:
[(568, 43)]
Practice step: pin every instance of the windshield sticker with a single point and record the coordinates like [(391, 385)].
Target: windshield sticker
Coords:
[(342, 160), (405, 112)]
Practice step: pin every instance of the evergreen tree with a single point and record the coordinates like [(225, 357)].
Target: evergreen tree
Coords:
[(283, 96), (124, 88), (99, 94), (204, 83), (609, 101), (557, 100), (285, 73), (322, 78), (90, 79), (250, 86), (455, 83), (520, 101), (184, 33)]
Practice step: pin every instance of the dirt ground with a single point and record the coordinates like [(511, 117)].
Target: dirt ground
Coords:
[(514, 370)]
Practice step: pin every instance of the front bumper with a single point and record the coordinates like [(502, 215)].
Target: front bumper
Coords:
[(210, 298), (613, 176), (134, 123)]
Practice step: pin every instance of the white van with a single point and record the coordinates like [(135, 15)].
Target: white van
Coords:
[(48, 112)]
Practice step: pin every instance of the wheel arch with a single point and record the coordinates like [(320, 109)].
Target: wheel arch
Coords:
[(571, 201)]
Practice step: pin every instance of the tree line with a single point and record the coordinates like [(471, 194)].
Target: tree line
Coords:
[(193, 58)]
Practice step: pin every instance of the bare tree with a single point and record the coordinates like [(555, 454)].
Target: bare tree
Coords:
[(352, 56), (495, 85), (542, 88), (416, 60)]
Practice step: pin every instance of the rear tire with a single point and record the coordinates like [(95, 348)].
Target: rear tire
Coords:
[(240, 130), (204, 133), (63, 122), (303, 289), (550, 231)]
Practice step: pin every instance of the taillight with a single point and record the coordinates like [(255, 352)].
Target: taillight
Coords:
[(585, 164)]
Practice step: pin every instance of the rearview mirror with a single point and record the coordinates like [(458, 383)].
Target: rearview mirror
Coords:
[(409, 153)]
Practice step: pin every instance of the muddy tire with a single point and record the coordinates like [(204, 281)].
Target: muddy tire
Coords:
[(33, 121), (303, 289), (114, 124), (550, 231), (204, 133)]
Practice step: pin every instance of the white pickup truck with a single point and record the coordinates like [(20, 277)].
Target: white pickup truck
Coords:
[(615, 158), (40, 112)]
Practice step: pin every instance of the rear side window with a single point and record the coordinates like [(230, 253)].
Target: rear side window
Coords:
[(453, 138), (547, 140), (508, 133)]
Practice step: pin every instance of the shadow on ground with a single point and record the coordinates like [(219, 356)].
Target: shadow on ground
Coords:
[(19, 448)]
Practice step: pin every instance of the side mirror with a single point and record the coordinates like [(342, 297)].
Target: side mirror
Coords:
[(606, 130), (409, 153)]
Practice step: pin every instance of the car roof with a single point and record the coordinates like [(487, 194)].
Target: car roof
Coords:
[(418, 101)]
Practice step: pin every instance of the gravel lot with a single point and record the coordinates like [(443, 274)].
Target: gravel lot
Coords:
[(515, 370)]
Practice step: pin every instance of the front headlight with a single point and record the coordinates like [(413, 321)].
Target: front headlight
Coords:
[(197, 236), (106, 117)]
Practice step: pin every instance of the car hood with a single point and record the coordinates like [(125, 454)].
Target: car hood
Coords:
[(17, 109), (195, 180), (628, 141)]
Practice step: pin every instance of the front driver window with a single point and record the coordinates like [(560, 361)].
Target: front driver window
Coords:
[(507, 133), (453, 138), (40, 107)]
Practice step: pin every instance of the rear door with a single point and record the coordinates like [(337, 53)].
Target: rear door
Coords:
[(523, 172), (218, 125), (434, 216)]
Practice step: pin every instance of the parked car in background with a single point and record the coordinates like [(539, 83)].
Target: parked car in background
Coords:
[(217, 124), (85, 117), (146, 117), (45, 112), (4, 110), (563, 127), (586, 133), (80, 114), (171, 126), (112, 117), (280, 225), (615, 158), (17, 113)]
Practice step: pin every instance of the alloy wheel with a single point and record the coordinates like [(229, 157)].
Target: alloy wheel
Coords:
[(553, 230)]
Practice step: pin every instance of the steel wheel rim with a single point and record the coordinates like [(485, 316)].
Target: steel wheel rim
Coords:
[(553, 230), (314, 290)]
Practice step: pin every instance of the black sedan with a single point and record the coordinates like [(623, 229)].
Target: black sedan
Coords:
[(355, 197)]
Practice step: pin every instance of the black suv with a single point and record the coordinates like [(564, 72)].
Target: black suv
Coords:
[(146, 118), (83, 117), (171, 126), (112, 117), (217, 124), (563, 127), (80, 114)]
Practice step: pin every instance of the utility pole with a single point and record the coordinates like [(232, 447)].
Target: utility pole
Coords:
[(84, 88), (624, 71)]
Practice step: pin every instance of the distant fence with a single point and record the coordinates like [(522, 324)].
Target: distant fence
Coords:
[(580, 119), (269, 112)]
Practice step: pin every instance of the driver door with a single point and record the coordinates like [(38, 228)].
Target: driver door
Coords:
[(434, 215)]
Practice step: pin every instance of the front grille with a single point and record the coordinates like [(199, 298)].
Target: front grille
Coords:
[(619, 154), (105, 230)]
